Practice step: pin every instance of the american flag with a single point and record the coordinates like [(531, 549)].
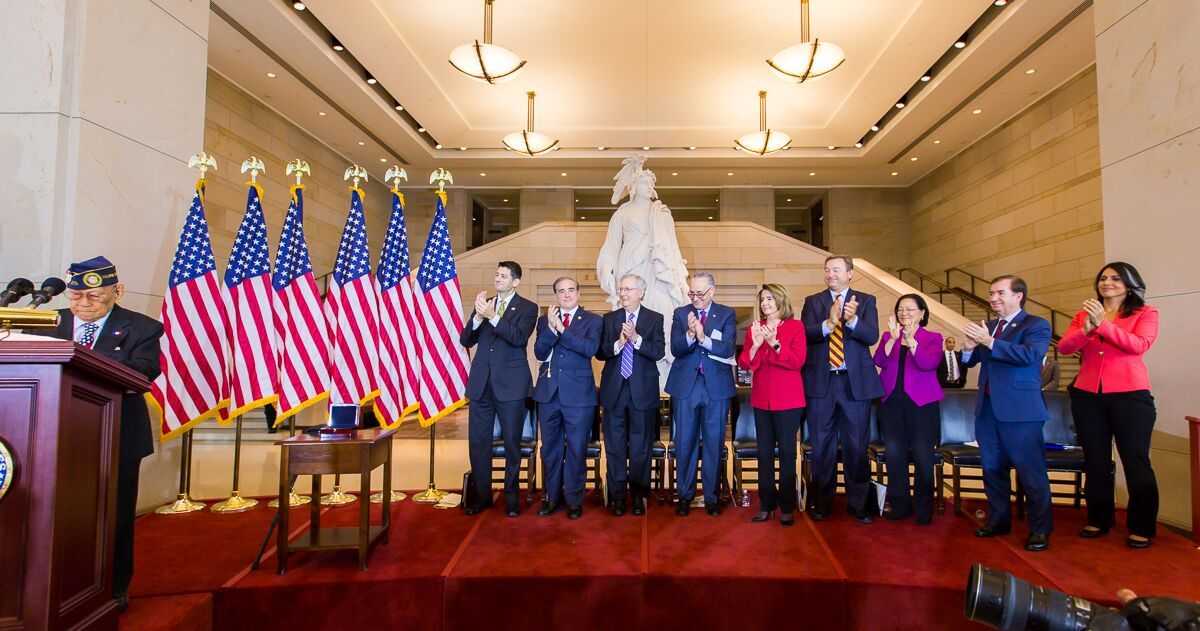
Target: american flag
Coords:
[(301, 335), (439, 310), (397, 323), (194, 384), (254, 367), (352, 311)]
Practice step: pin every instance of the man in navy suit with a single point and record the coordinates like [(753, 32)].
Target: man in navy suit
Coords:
[(630, 347), (499, 382), (840, 381), (1011, 411), (703, 339), (567, 338), (94, 319)]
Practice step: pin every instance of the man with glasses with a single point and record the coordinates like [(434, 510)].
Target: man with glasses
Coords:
[(95, 320), (703, 339), (630, 347), (567, 338), (840, 382)]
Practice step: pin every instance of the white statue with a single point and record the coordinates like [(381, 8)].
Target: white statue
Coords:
[(641, 240)]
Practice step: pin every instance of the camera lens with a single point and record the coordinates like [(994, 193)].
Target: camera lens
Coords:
[(1003, 601)]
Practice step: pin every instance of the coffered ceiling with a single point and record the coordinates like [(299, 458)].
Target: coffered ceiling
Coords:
[(666, 74)]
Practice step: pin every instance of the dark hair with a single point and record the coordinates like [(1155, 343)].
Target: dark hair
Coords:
[(845, 259), (920, 305), (561, 279), (1016, 284), (1135, 287), (513, 267)]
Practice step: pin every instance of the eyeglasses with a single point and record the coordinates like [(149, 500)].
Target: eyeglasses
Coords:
[(567, 290), (698, 294), (904, 310), (88, 297), (623, 290)]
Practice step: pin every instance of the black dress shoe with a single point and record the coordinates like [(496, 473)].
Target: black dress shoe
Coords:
[(787, 519), (683, 507), (617, 508), (574, 512), (761, 516), (513, 512), (548, 509), (1138, 544), (992, 531), (639, 507), (1037, 542), (122, 602), (863, 517), (817, 515), (472, 510), (1092, 532), (713, 510)]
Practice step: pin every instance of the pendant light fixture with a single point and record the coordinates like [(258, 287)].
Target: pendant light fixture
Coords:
[(764, 140), (486, 61), (527, 141), (810, 58)]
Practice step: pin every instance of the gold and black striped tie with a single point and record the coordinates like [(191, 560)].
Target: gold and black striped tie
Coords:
[(837, 355)]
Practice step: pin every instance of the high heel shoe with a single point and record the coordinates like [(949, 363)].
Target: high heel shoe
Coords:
[(761, 516)]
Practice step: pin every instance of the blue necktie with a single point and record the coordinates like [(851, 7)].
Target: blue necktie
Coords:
[(627, 356), (89, 334)]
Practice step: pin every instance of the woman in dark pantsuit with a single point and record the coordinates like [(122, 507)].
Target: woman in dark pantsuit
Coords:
[(774, 352)]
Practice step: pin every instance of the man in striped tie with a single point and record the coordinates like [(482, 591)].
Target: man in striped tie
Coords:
[(840, 382), (631, 344), (95, 320)]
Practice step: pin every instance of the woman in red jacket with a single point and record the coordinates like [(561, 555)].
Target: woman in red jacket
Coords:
[(1111, 399), (774, 353)]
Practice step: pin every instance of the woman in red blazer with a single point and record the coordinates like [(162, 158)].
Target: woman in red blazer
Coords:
[(1111, 399), (774, 353)]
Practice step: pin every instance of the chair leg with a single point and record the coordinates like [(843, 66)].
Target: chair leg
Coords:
[(1078, 489), (956, 481), (939, 481), (1020, 500)]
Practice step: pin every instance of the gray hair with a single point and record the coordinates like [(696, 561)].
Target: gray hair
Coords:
[(560, 279), (641, 282), (712, 281)]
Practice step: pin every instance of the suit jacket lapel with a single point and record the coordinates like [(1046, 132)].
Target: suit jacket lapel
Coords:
[(114, 332), (66, 325)]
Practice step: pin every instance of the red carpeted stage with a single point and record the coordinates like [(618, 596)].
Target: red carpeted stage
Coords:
[(444, 570)]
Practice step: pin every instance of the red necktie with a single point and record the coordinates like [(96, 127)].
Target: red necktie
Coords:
[(999, 329), (566, 320)]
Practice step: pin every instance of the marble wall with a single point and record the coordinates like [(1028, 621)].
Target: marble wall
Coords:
[(870, 223), (1149, 99)]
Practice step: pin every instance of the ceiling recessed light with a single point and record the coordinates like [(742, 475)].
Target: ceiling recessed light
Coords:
[(895, 173), (462, 148), (362, 144), (710, 217), (320, 113), (717, 199), (874, 127), (937, 142), (691, 148), (601, 148), (976, 111), (271, 75), (645, 147), (962, 43), (811, 173), (399, 107), (582, 217), (831, 147), (789, 199), (438, 146), (299, 6), (1000, 3), (730, 173), (1031, 71), (371, 80), (383, 159), (926, 78), (420, 130), (481, 174), (913, 159), (674, 172), (899, 105), (336, 45), (564, 174), (576, 201), (858, 144), (506, 201)]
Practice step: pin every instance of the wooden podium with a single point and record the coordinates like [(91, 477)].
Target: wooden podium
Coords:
[(60, 411)]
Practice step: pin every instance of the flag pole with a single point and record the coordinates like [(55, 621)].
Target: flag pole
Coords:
[(294, 498), (430, 495), (236, 503), (183, 503)]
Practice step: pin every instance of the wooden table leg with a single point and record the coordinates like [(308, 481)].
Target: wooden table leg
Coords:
[(314, 511), (281, 542), (364, 512), (387, 491)]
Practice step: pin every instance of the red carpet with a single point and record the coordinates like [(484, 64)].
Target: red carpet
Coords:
[(444, 570)]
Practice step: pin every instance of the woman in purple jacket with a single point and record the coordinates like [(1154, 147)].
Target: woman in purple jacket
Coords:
[(909, 415)]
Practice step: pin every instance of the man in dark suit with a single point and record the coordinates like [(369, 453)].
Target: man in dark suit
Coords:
[(840, 382), (631, 344), (703, 340), (567, 338), (499, 382), (950, 372), (1010, 410), (94, 319)]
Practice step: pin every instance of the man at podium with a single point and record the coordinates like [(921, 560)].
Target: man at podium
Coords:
[(93, 319)]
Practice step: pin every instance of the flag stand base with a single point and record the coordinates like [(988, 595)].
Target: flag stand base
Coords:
[(397, 496)]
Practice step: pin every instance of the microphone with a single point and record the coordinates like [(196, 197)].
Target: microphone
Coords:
[(51, 287), (17, 289)]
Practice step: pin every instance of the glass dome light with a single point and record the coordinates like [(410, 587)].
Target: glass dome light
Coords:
[(527, 141), (810, 58), (485, 61), (763, 141)]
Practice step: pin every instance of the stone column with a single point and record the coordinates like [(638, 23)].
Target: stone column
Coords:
[(1149, 95), (748, 204), (540, 204), (103, 102)]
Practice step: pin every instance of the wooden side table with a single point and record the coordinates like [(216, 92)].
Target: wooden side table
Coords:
[(357, 452)]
